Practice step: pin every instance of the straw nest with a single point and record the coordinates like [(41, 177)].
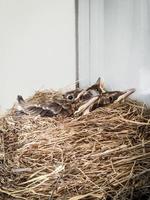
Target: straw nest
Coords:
[(103, 155)]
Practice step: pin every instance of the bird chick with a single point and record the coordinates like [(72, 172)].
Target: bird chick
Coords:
[(95, 90), (47, 109), (104, 99)]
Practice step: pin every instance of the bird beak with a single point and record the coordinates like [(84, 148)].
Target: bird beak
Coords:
[(84, 108), (98, 85), (80, 94), (125, 94)]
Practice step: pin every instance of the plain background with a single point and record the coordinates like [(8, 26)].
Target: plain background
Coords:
[(37, 47), (114, 43)]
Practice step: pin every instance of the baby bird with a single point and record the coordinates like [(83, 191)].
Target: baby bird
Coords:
[(46, 109), (104, 99), (92, 91), (112, 97), (66, 105)]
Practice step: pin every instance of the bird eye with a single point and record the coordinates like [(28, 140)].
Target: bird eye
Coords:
[(70, 97)]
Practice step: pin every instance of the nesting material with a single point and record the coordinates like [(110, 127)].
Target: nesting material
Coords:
[(102, 155)]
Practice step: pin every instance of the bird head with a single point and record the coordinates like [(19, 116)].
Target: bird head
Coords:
[(95, 90), (70, 96), (120, 96)]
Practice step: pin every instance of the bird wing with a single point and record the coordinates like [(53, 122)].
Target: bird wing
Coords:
[(48, 109)]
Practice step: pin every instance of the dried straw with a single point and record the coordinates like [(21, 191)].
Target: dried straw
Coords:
[(103, 155)]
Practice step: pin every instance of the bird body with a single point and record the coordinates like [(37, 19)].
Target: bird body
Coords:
[(45, 109), (74, 102), (65, 104), (104, 99)]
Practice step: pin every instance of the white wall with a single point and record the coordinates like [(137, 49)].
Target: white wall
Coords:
[(117, 44), (127, 46), (37, 46)]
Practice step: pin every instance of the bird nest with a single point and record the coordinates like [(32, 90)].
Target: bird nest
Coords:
[(102, 155)]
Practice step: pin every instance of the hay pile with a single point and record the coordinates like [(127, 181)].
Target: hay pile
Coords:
[(104, 155)]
